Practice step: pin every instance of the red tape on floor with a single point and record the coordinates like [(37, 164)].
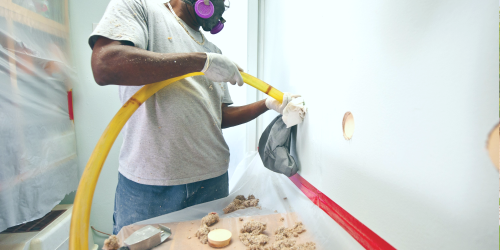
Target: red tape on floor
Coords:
[(366, 237)]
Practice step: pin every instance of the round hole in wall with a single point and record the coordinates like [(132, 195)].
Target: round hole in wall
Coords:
[(493, 147), (348, 125)]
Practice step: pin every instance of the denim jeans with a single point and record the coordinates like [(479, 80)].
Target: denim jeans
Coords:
[(136, 202)]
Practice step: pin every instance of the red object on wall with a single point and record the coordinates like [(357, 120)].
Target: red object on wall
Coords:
[(361, 233), (70, 104)]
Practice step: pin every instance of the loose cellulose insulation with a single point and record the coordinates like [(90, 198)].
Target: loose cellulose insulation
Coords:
[(204, 229), (252, 237), (284, 238), (241, 203), (112, 243)]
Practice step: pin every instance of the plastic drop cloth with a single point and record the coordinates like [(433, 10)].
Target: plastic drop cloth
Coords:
[(51, 9), (251, 177), (38, 164)]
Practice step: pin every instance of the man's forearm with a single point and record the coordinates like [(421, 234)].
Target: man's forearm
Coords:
[(233, 116), (114, 63)]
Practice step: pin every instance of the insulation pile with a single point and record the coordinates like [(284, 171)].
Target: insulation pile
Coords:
[(284, 238), (206, 222), (112, 243), (240, 202), (252, 236)]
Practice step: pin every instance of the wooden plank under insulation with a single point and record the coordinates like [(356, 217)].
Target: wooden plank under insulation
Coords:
[(181, 231), (29, 18)]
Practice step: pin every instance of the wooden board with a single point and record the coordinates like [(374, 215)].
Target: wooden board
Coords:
[(19, 14), (182, 230)]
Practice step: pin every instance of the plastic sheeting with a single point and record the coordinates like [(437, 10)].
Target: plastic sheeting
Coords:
[(38, 164), (51, 9), (251, 177)]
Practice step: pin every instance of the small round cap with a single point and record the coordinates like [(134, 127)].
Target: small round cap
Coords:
[(219, 238), (217, 28), (204, 11)]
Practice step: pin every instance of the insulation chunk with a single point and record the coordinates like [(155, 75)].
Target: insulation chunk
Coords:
[(249, 239), (285, 233), (305, 246), (210, 219), (253, 227), (112, 243), (252, 237), (284, 238), (283, 244), (240, 202), (202, 234)]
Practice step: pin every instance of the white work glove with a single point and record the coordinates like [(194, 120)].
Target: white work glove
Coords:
[(219, 68), (271, 103)]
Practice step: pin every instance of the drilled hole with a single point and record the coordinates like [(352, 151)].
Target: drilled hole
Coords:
[(493, 147), (348, 125)]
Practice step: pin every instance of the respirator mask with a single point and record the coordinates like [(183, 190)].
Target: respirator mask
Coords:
[(209, 14)]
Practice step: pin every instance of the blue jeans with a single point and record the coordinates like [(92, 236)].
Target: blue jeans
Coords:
[(136, 202)]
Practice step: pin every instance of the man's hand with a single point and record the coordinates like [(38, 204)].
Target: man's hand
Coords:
[(219, 68), (271, 103)]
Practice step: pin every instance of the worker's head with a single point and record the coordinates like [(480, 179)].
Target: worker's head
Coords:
[(209, 23)]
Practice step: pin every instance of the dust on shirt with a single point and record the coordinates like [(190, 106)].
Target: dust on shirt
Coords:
[(175, 137)]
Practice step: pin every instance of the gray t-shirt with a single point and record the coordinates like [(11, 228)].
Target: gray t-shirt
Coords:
[(175, 137)]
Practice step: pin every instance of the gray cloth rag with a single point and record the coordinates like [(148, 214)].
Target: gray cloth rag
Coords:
[(274, 148)]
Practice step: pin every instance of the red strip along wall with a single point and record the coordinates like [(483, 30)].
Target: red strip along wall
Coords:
[(366, 237), (70, 104)]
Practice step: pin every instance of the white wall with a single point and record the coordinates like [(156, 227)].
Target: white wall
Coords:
[(420, 78), (94, 106), (232, 40)]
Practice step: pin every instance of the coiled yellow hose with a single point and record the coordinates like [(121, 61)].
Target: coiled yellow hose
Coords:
[(78, 236)]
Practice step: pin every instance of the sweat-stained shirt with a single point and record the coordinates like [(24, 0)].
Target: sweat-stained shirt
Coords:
[(175, 137)]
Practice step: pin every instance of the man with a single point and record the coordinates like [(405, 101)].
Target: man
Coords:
[(173, 154)]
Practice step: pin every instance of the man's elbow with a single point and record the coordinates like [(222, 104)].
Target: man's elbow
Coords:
[(101, 72), (225, 122), (101, 80), (102, 69)]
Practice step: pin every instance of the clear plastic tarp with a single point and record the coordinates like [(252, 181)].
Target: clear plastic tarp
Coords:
[(51, 9), (38, 164), (251, 177)]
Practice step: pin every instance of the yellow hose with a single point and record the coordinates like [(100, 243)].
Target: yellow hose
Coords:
[(78, 236), (262, 86)]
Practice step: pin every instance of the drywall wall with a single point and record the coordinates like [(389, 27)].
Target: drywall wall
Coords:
[(232, 41), (420, 78), (94, 106)]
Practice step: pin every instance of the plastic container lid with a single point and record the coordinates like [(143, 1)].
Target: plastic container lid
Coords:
[(219, 238)]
